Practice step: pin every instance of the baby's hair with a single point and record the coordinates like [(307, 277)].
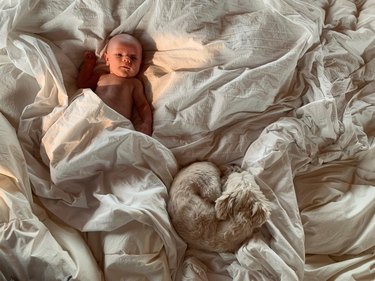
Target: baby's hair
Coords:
[(128, 37), (106, 42), (119, 34)]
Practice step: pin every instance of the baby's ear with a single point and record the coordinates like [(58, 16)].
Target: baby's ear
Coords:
[(105, 56)]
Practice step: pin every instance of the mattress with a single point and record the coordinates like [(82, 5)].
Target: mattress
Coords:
[(283, 88)]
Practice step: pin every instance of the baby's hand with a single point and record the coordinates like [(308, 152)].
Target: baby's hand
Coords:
[(89, 57), (145, 128)]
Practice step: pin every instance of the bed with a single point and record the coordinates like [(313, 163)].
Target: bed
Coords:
[(283, 88)]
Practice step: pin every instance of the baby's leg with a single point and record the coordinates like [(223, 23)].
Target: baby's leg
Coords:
[(86, 77)]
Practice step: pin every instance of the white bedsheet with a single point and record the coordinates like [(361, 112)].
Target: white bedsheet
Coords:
[(284, 88)]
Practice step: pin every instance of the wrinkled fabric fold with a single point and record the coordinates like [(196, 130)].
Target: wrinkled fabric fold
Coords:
[(283, 88)]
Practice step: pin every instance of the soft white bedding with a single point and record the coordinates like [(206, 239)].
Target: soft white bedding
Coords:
[(284, 88)]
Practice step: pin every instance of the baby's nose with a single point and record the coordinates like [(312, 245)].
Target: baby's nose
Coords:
[(127, 59)]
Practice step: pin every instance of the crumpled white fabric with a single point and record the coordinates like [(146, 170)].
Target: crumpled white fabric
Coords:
[(90, 161), (33, 247), (282, 87)]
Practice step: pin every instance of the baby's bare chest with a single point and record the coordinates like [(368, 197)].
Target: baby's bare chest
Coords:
[(113, 88), (116, 93)]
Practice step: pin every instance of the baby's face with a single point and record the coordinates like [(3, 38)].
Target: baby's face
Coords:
[(123, 56)]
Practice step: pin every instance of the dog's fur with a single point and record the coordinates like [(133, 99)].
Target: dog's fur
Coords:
[(216, 209)]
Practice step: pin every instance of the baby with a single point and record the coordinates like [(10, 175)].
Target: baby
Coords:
[(119, 88)]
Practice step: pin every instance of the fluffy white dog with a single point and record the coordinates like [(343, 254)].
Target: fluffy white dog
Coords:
[(216, 210)]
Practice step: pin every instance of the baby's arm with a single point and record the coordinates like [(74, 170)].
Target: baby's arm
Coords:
[(86, 77), (143, 108)]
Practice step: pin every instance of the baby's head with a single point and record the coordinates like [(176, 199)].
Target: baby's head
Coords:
[(123, 55)]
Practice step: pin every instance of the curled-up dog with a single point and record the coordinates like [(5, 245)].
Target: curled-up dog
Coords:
[(216, 209)]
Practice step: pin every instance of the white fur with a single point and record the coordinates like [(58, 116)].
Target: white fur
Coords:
[(216, 210)]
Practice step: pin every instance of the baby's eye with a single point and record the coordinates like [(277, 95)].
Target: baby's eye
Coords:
[(118, 55), (133, 58)]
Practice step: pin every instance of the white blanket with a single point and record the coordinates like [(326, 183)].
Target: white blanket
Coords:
[(283, 88)]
